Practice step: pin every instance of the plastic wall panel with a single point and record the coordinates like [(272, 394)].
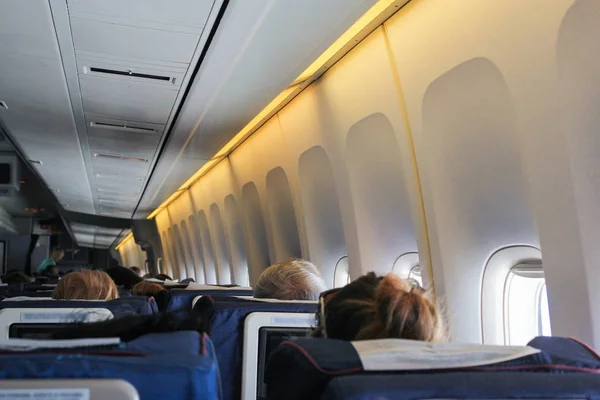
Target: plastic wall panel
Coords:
[(197, 248), (166, 265), (222, 254), (207, 249), (306, 125), (175, 263), (180, 252), (479, 153), (371, 98), (235, 234), (578, 62), (132, 255), (323, 218), (190, 261), (280, 203), (162, 225), (258, 246), (478, 189), (380, 196)]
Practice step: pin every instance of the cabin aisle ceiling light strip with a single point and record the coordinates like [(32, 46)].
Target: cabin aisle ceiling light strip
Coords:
[(366, 24)]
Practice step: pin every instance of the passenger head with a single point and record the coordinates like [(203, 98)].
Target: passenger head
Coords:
[(86, 285), (147, 289), (16, 277), (57, 254), (292, 279), (50, 271), (163, 277), (137, 271), (123, 277), (374, 307)]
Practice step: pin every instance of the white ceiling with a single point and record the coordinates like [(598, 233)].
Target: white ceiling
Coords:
[(78, 121)]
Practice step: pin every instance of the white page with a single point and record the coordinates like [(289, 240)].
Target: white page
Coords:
[(40, 394), (402, 355), (33, 344), (276, 300), (201, 286), (26, 298)]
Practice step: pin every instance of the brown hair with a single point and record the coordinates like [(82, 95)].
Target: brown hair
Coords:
[(86, 285), (147, 289), (377, 308)]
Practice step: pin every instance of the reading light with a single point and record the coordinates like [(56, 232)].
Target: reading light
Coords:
[(36, 162), (366, 24)]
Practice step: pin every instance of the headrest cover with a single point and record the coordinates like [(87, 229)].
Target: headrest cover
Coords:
[(406, 355)]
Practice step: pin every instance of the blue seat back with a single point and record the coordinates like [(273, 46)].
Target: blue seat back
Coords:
[(119, 307), (189, 373), (303, 369), (181, 299), (462, 385), (559, 347), (226, 328)]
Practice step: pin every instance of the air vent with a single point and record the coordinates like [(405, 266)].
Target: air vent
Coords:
[(121, 127), (120, 157), (129, 73), (112, 202), (119, 177)]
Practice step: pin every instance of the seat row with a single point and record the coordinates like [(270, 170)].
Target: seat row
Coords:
[(229, 359)]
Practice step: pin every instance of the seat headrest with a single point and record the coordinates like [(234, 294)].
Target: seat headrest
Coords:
[(301, 366)]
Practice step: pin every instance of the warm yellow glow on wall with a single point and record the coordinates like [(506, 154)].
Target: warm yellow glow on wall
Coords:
[(381, 9), (124, 240), (346, 37)]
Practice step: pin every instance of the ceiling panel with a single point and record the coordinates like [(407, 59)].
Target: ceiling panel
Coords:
[(260, 48), (175, 14), (116, 167), (129, 41), (25, 30), (128, 92), (138, 111), (32, 83)]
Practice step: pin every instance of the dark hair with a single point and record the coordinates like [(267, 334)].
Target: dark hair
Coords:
[(163, 277), (50, 270), (136, 270), (123, 277), (374, 307), (132, 326), (147, 289), (14, 277)]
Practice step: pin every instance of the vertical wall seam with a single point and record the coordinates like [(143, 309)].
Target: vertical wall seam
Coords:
[(413, 158)]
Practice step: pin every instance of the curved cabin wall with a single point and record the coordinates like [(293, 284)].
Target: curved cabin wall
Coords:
[(455, 129)]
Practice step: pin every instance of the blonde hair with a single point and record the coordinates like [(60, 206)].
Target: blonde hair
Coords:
[(147, 289), (379, 308), (86, 285), (292, 279)]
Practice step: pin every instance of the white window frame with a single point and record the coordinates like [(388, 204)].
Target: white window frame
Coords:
[(528, 269), (405, 264), (335, 271), (494, 286)]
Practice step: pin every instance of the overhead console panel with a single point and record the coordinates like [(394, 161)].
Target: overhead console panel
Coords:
[(91, 108)]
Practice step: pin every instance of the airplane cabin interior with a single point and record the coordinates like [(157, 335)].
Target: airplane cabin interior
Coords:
[(299, 199)]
